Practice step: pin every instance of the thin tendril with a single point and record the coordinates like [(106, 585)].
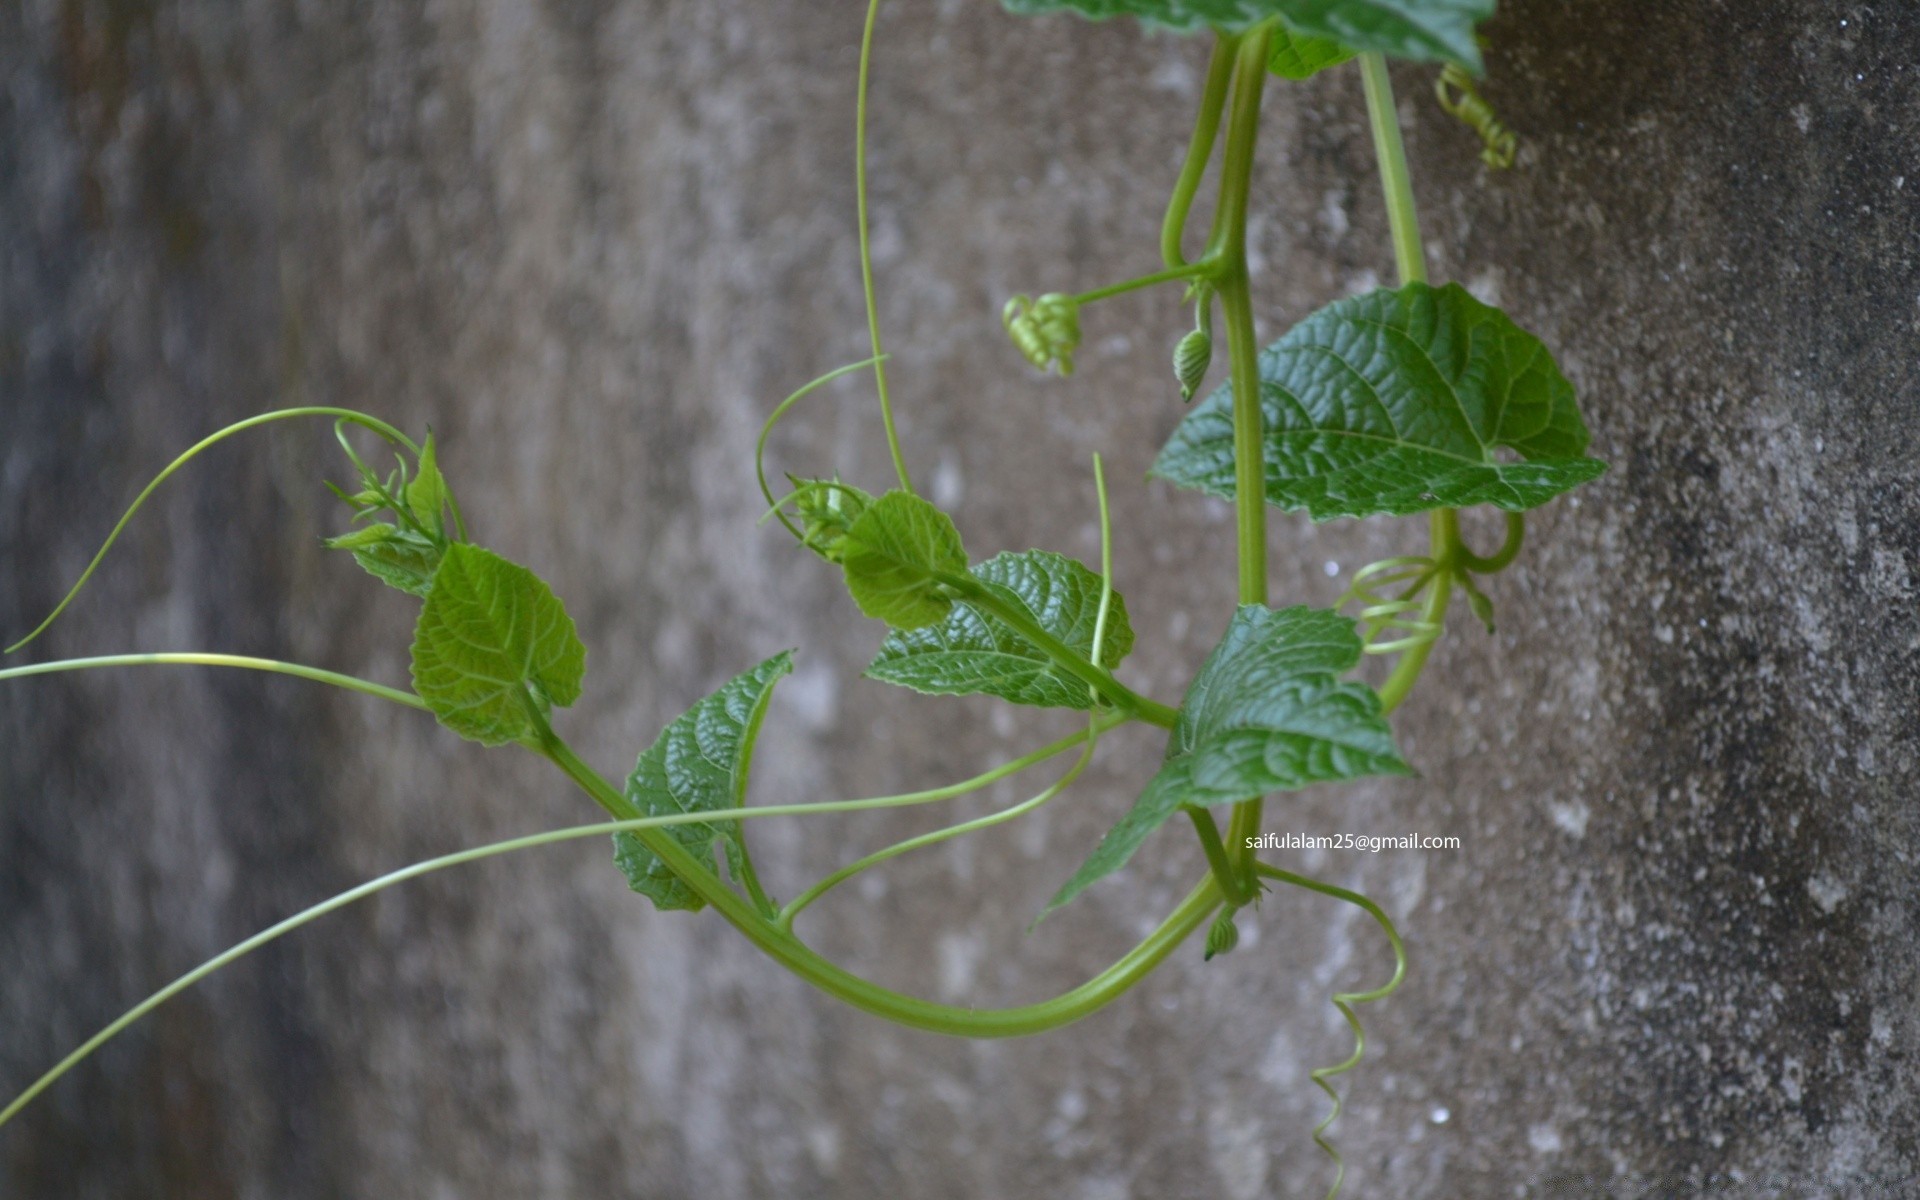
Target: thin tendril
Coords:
[(1344, 1001), (766, 431), (375, 424), (1379, 612), (509, 846), (879, 359), (196, 659), (799, 903)]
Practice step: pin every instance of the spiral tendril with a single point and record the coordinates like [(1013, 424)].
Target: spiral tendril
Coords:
[(1457, 94), (1381, 612), (1344, 1001)]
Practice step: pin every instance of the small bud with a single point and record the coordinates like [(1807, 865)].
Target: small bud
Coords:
[(1191, 358), (1223, 936), (1478, 602), (827, 508)]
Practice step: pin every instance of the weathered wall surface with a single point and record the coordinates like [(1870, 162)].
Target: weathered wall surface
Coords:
[(591, 244)]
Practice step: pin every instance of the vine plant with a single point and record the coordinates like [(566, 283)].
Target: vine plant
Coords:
[(1407, 400)]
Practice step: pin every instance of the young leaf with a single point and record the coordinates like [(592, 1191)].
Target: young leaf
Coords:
[(892, 553), (427, 494), (698, 764), (1302, 56), (1393, 403), (971, 653), (1428, 30), (492, 640), (1266, 713), (406, 561), (359, 539)]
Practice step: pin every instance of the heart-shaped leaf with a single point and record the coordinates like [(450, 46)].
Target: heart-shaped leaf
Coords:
[(1397, 402), (493, 639), (1428, 30), (1266, 713), (892, 555), (699, 763), (972, 653), (1302, 56)]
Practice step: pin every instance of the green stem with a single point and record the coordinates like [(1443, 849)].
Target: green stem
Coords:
[(1231, 880), (1504, 556), (352, 684), (1228, 242), (1408, 253), (1204, 267), (1106, 561), (375, 424), (982, 599), (866, 245), (1213, 101), (883, 1002)]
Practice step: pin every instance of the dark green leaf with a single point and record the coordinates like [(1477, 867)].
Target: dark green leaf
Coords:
[(1267, 713), (891, 555), (971, 653), (492, 640), (1301, 56), (1396, 402), (1430, 30), (698, 764)]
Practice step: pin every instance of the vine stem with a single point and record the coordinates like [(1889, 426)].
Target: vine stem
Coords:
[(870, 997), (1213, 101), (1228, 244), (1402, 217), (1409, 253)]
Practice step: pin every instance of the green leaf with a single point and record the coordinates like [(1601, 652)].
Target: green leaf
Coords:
[(406, 561), (1266, 713), (1396, 402), (892, 554), (971, 653), (698, 764), (359, 539), (1428, 30), (427, 493), (1302, 56), (493, 640)]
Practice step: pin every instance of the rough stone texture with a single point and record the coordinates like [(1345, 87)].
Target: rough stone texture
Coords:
[(591, 244)]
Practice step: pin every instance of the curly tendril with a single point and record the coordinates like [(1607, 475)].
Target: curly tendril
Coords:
[(1381, 613), (1344, 1001), (1457, 94)]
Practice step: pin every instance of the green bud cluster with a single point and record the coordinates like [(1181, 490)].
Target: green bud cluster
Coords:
[(1045, 331)]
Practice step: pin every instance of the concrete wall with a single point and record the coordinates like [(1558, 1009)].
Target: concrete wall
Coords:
[(591, 245)]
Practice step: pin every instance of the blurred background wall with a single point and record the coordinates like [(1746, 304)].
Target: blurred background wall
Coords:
[(590, 244)]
